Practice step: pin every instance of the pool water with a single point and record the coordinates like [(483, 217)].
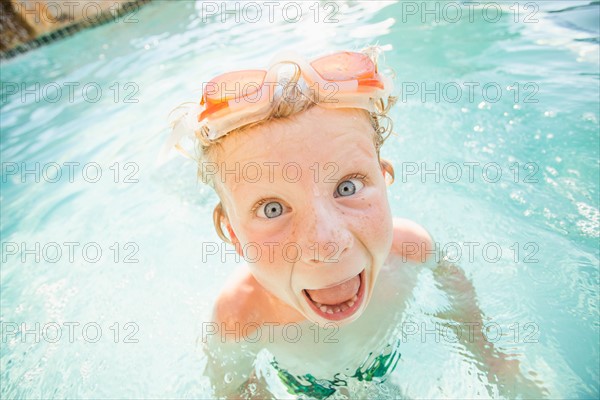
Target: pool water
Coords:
[(130, 298)]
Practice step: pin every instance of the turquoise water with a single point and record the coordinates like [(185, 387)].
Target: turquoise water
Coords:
[(149, 222)]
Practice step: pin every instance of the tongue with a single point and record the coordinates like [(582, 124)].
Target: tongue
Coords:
[(336, 294)]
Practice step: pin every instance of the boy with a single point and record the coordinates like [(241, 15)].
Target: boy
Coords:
[(294, 158)]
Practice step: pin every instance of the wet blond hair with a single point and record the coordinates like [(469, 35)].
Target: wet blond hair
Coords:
[(292, 102)]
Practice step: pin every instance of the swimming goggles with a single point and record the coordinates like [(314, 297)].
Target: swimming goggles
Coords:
[(234, 99)]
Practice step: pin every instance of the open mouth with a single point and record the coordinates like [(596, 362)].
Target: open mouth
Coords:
[(340, 301)]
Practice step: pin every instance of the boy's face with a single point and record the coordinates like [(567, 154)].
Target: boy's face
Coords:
[(309, 209)]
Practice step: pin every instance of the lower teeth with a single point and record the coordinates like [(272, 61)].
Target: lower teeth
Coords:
[(327, 309)]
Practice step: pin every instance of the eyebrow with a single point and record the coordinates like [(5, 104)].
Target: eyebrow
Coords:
[(346, 158)]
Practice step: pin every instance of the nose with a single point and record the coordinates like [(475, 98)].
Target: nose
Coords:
[(323, 235)]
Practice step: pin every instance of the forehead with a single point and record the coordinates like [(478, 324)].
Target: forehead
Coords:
[(317, 133)]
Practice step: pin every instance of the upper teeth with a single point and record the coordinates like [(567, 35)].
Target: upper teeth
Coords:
[(327, 309)]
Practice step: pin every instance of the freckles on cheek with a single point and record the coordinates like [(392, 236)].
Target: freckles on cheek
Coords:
[(373, 220), (374, 216)]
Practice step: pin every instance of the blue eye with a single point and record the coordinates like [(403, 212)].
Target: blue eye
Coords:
[(272, 209), (349, 187)]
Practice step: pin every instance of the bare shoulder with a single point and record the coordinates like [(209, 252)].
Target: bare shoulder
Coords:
[(244, 305), (411, 241), (228, 328), (238, 307)]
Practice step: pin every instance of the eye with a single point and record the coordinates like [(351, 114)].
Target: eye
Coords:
[(272, 209), (349, 187)]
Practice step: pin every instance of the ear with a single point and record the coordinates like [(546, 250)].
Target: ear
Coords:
[(233, 237), (219, 219), (386, 166)]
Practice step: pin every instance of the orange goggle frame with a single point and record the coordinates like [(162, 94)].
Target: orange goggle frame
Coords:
[(346, 73), (235, 99)]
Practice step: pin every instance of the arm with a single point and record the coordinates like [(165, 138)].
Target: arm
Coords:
[(230, 357), (229, 361), (503, 371), (412, 242), (228, 368)]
